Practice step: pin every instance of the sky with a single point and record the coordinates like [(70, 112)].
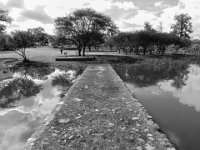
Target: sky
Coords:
[(129, 15)]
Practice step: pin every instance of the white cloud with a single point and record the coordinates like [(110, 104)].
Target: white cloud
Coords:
[(100, 5), (15, 4), (30, 24), (167, 17), (38, 14), (69, 5), (124, 5), (141, 17), (158, 4)]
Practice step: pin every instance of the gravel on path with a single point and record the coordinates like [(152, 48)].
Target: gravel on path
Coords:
[(99, 113)]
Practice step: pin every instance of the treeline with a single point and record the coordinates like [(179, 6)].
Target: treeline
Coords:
[(31, 37), (146, 42)]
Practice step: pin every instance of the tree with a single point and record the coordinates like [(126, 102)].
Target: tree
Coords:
[(5, 42), (110, 42), (82, 25), (121, 42), (183, 26), (148, 27), (21, 40), (145, 39), (98, 39), (4, 18), (39, 35)]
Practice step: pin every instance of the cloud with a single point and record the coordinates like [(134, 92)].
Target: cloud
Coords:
[(15, 4), (121, 10), (131, 26), (142, 16), (37, 14), (13, 26), (149, 4), (158, 4), (2, 6), (115, 12), (124, 5), (86, 4)]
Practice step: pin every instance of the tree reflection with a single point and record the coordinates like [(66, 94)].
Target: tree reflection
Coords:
[(15, 90), (152, 71), (23, 86), (35, 70), (63, 83)]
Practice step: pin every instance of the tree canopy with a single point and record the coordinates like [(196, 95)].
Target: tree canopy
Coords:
[(146, 41), (39, 36), (21, 40), (148, 27), (4, 18), (183, 25), (81, 25)]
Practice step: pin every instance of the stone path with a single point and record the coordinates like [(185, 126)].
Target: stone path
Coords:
[(99, 113)]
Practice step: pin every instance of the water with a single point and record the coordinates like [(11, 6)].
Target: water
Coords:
[(27, 98), (170, 91)]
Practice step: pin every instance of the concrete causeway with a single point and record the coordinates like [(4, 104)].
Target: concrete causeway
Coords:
[(99, 113)]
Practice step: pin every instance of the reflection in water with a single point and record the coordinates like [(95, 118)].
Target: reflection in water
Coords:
[(15, 90), (171, 95), (188, 94), (151, 71), (27, 99), (63, 82)]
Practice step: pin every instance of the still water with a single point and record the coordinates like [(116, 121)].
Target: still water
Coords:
[(27, 98), (170, 91)]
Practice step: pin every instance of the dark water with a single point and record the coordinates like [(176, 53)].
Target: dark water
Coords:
[(170, 91), (27, 97)]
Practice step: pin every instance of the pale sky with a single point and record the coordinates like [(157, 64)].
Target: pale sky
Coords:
[(129, 15)]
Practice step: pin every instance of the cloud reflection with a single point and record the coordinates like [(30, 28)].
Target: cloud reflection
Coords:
[(190, 93), (19, 122)]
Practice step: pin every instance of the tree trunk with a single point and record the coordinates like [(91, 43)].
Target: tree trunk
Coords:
[(144, 50), (84, 50), (25, 60), (111, 47), (24, 55), (89, 47), (79, 51), (119, 50), (136, 50)]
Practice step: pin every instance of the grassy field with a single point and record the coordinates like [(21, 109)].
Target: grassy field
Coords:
[(48, 54)]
